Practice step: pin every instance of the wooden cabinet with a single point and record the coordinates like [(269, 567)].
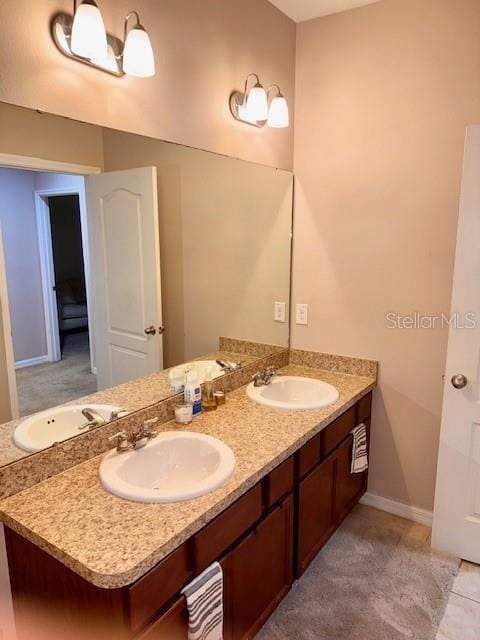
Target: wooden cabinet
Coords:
[(258, 573), (269, 534), (328, 493), (172, 625), (349, 487), (315, 512)]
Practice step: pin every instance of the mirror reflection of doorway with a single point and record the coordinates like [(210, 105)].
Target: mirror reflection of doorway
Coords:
[(45, 272)]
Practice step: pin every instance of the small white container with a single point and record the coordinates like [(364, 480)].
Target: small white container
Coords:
[(184, 413), (177, 381), (193, 392)]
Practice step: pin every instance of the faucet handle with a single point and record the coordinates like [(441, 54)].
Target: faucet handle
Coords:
[(122, 442), (120, 413), (121, 435), (146, 428)]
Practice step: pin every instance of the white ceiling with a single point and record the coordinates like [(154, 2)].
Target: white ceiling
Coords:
[(300, 10)]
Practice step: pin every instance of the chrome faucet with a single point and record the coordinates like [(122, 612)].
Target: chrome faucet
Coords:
[(138, 440), (265, 378), (228, 367), (94, 419)]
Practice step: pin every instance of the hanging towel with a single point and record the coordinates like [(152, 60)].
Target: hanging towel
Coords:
[(359, 449), (204, 596)]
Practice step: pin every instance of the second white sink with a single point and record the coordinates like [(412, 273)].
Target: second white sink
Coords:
[(175, 466), (294, 393), (55, 425)]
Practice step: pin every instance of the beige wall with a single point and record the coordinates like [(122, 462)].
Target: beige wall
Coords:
[(204, 50), (224, 243), (24, 132), (384, 94)]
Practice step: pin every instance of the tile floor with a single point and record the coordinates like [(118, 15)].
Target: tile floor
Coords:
[(461, 620)]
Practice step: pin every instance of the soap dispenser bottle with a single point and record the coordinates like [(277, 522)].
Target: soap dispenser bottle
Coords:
[(193, 392), (208, 399)]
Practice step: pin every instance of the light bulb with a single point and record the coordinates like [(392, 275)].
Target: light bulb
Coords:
[(256, 107), (89, 38), (138, 59), (278, 117)]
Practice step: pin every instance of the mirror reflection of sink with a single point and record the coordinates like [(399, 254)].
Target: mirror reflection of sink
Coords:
[(175, 466), (200, 366), (54, 425), (294, 393)]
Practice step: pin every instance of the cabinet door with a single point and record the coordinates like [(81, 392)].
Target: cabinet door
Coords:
[(349, 486), (258, 574), (172, 625), (315, 512)]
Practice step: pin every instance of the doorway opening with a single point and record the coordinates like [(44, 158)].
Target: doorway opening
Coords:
[(46, 270)]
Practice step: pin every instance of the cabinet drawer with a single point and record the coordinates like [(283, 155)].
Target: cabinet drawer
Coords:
[(150, 593), (172, 625), (364, 408), (309, 456), (217, 536), (280, 482), (337, 431)]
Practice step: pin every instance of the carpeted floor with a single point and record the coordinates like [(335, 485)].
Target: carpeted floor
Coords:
[(48, 385), (376, 579)]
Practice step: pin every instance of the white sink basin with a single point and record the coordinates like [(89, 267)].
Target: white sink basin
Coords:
[(294, 393), (175, 466), (54, 425)]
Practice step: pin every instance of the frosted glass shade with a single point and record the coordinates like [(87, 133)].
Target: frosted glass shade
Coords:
[(89, 38), (256, 107), (138, 59), (278, 117)]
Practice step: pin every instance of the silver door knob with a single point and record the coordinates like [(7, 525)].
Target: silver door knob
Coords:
[(459, 381), (150, 331)]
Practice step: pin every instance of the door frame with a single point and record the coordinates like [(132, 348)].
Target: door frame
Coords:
[(47, 269), (44, 165)]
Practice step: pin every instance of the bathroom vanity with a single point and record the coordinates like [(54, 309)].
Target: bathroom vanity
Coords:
[(264, 527)]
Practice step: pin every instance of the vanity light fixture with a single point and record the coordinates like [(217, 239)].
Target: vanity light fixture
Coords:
[(83, 37), (138, 58), (89, 37), (254, 106), (278, 117)]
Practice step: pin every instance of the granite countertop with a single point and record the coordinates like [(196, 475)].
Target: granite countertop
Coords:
[(112, 542), (131, 396)]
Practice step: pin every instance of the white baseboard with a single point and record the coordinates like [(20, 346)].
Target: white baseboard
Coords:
[(422, 516), (21, 364)]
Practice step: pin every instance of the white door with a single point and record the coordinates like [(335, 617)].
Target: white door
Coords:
[(456, 527), (122, 211)]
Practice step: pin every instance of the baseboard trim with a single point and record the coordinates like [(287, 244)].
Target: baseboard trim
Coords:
[(422, 516), (21, 364)]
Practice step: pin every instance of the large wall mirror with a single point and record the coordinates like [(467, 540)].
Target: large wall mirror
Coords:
[(126, 262)]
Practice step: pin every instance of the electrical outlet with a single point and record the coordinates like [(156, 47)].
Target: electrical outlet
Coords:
[(280, 311), (302, 314)]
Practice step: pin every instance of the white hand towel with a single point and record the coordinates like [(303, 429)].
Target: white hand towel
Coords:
[(359, 449), (204, 596)]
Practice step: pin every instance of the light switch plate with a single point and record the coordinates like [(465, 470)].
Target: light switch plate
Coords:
[(301, 314), (280, 311)]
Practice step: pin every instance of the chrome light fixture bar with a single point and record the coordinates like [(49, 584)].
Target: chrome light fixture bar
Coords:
[(255, 107), (82, 37)]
